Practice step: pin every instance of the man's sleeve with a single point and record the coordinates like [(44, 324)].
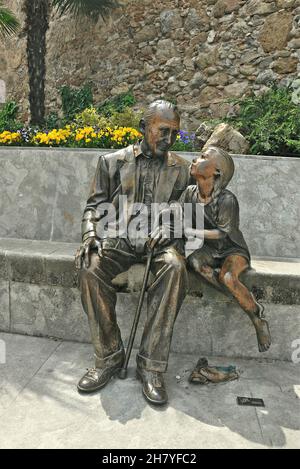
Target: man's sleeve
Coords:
[(99, 193)]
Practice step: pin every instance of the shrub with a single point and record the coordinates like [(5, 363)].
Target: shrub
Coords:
[(52, 121), (127, 118), (90, 117), (75, 100), (8, 115), (270, 122), (116, 104)]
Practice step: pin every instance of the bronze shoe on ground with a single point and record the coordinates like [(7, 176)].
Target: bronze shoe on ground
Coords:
[(96, 378), (154, 389)]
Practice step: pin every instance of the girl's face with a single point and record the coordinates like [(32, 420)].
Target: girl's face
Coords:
[(205, 173)]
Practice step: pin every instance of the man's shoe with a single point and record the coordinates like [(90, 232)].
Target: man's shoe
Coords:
[(154, 389), (97, 378)]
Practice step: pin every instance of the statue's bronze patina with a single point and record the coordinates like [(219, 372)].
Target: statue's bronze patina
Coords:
[(146, 173), (224, 254)]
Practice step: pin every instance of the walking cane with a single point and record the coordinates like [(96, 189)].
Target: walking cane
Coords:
[(123, 371)]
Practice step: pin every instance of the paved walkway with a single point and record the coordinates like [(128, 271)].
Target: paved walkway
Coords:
[(40, 407)]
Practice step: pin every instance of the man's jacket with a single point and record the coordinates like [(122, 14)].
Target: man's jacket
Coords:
[(116, 176)]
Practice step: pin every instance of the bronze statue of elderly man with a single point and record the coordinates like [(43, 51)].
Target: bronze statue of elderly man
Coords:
[(146, 173)]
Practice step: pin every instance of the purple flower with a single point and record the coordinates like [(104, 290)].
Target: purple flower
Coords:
[(186, 137)]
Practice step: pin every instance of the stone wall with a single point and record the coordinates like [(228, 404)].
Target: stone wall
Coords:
[(200, 53), (43, 193)]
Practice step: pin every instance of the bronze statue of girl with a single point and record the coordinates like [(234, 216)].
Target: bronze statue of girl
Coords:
[(224, 254)]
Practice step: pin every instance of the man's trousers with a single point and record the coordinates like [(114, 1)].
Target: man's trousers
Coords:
[(164, 299)]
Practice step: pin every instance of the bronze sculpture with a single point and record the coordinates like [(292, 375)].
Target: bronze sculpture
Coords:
[(224, 254), (145, 173)]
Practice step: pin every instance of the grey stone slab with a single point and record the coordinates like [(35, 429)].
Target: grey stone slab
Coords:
[(30, 246), (48, 194), (234, 335), (35, 246), (118, 416), (40, 262), (60, 271), (24, 267), (24, 357), (47, 311), (261, 186), (64, 249), (271, 288), (204, 325), (219, 327), (4, 306), (30, 185), (3, 266)]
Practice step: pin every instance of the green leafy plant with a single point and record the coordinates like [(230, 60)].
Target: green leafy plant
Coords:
[(90, 117), (116, 104), (75, 100), (8, 115), (90, 8), (270, 122), (52, 121), (9, 24), (127, 118)]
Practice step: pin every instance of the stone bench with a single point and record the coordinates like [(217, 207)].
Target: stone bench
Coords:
[(42, 195), (39, 296)]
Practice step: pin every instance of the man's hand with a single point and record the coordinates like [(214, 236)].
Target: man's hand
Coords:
[(160, 236), (165, 224), (82, 256)]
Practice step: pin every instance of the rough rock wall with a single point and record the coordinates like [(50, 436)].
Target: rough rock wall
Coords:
[(200, 53)]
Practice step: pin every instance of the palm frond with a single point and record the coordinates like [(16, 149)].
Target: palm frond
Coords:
[(9, 24), (91, 8)]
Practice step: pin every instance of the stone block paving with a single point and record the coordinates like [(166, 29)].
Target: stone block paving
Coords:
[(41, 408)]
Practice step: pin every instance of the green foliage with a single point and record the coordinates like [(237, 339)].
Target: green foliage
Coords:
[(8, 115), (91, 8), (9, 24), (270, 122), (75, 100), (52, 121), (116, 104), (89, 117), (126, 118), (182, 146)]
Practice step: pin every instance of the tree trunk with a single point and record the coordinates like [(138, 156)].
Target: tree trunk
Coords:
[(37, 17)]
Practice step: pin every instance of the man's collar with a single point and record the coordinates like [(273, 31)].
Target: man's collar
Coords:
[(137, 150)]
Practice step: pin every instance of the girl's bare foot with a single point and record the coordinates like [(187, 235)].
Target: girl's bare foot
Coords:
[(263, 334)]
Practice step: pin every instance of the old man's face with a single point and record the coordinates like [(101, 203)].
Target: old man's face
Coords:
[(160, 133)]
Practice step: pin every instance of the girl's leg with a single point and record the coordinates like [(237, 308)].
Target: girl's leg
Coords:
[(231, 269), (203, 263)]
